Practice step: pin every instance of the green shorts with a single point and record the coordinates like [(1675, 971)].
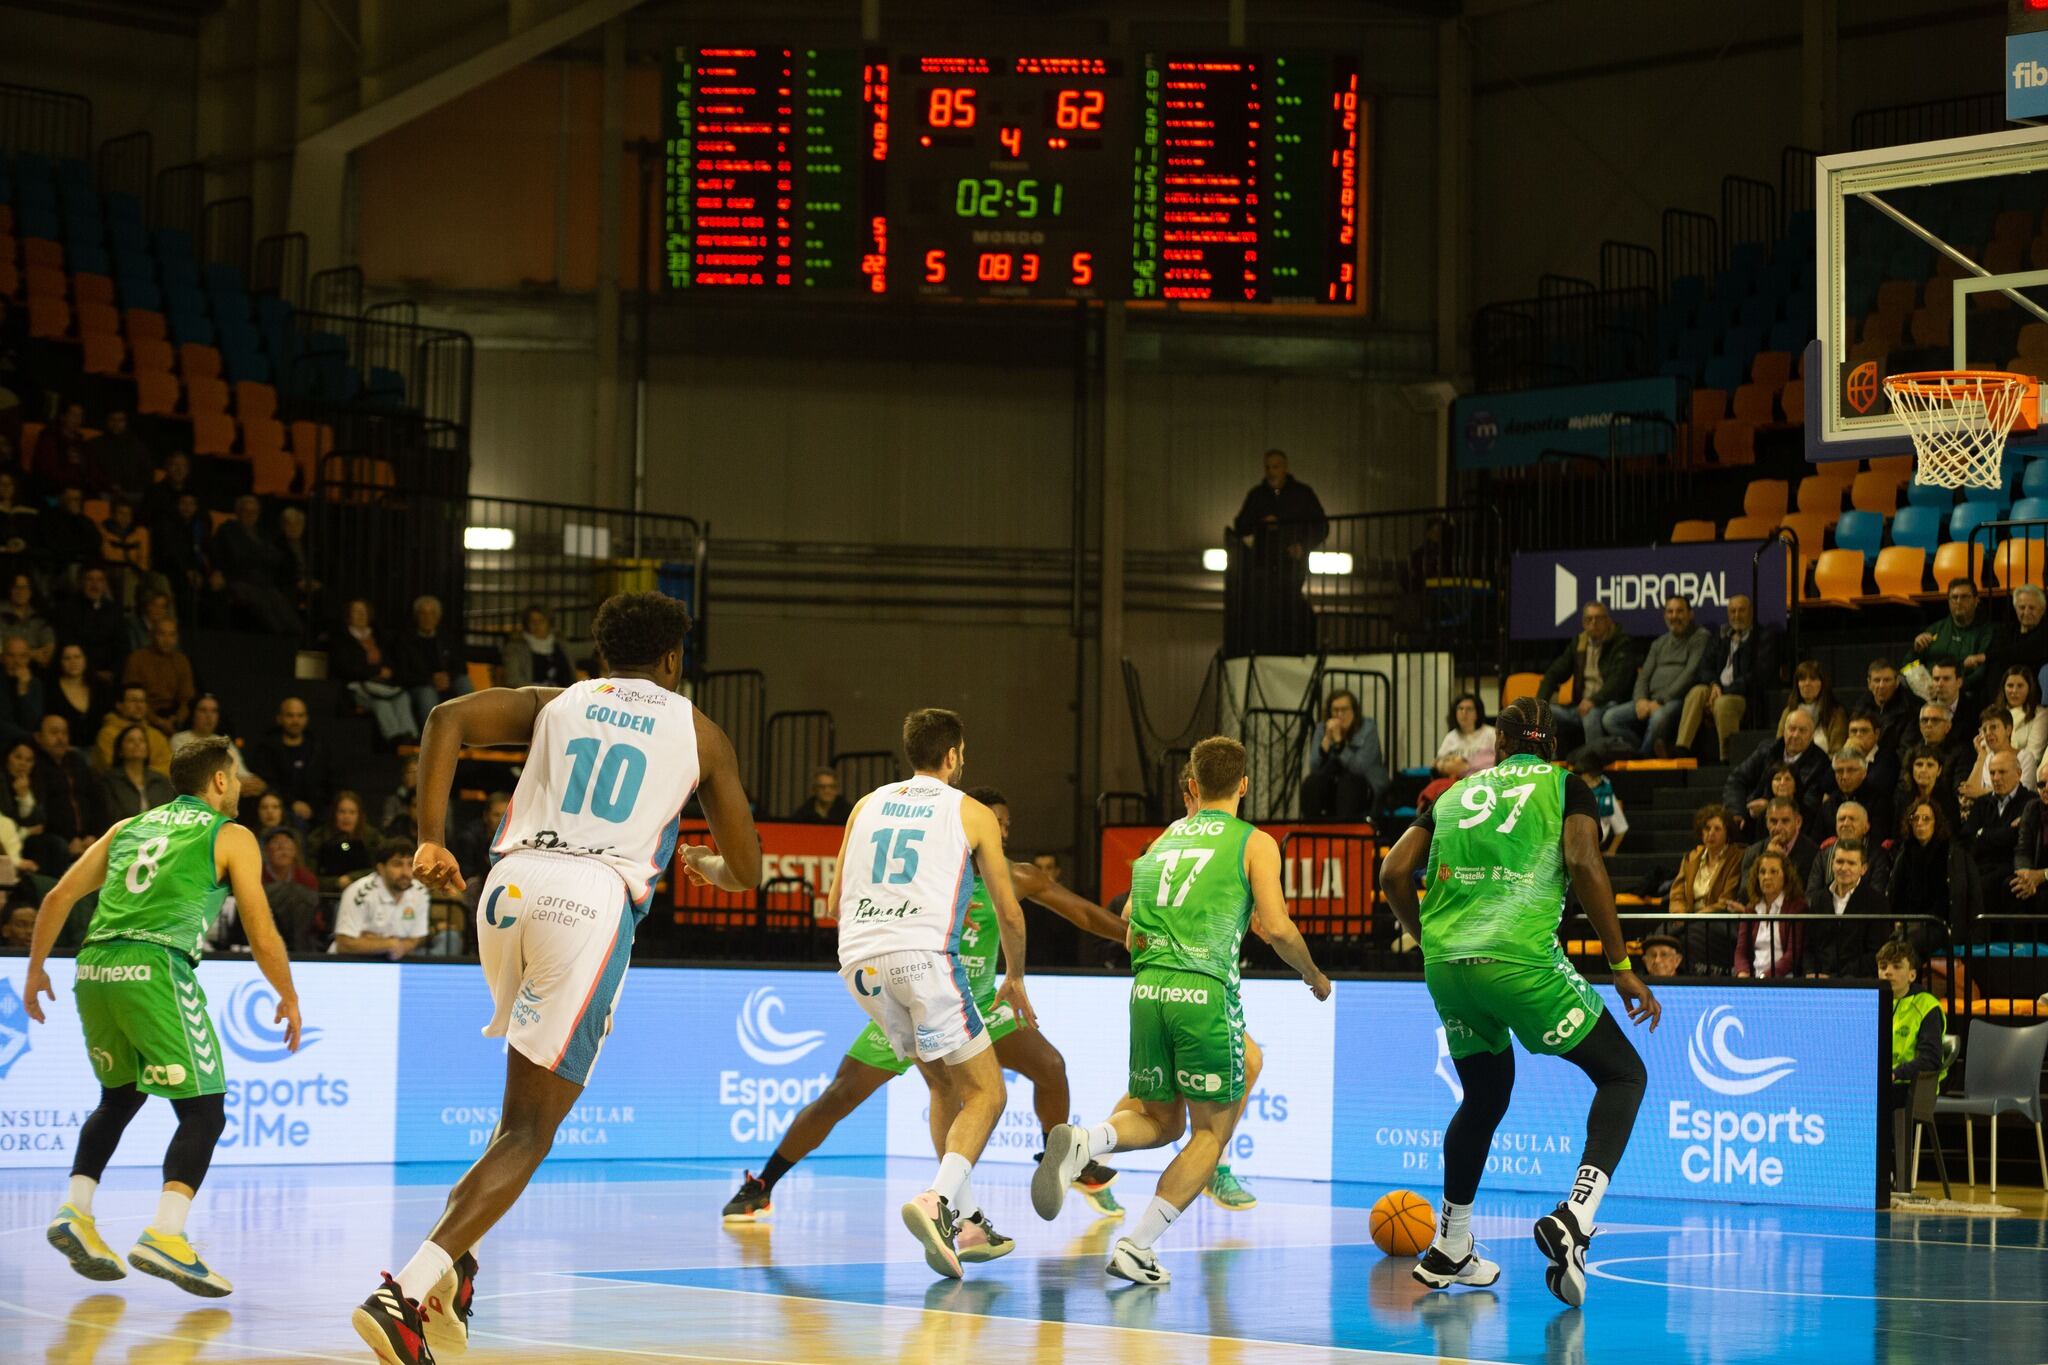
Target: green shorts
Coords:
[(1187, 1038), (872, 1048), (146, 1022), (1551, 1009)]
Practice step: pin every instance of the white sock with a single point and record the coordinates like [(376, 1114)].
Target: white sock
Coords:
[(1101, 1139), (171, 1209), (424, 1271), (1586, 1192), (80, 1198), (1153, 1223), (965, 1205), (1454, 1231), (952, 1177)]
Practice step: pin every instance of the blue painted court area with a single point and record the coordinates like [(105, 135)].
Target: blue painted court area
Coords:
[(628, 1261)]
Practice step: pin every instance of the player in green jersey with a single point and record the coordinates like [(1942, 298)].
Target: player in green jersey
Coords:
[(161, 877), (1503, 846), (1194, 895), (871, 1063)]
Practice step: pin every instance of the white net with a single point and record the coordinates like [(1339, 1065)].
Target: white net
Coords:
[(1959, 423)]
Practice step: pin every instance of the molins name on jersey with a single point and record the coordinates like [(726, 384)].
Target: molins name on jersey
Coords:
[(902, 810), (624, 720)]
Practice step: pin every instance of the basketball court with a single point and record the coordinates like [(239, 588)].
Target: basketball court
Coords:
[(627, 1261)]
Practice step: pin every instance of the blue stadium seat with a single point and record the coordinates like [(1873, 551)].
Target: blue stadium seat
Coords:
[(2031, 509), (1968, 516), (1918, 526), (385, 389), (1682, 370), (2034, 480), (34, 166), (88, 230), (1759, 311), (73, 170), (238, 334), (88, 257), (139, 291), (36, 220), (1993, 497), (1687, 291), (174, 244), (130, 239), (1726, 372), (222, 278), (191, 327), (228, 305), (123, 208), (1743, 343), (177, 272), (1790, 336), (183, 298), (1861, 531), (245, 365), (1927, 495), (1696, 345)]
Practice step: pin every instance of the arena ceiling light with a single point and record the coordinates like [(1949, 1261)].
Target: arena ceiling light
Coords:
[(1329, 561), (487, 538), (1216, 560)]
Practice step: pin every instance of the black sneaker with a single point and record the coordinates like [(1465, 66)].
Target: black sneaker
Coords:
[(445, 1313), (1562, 1241), (389, 1324), (752, 1202)]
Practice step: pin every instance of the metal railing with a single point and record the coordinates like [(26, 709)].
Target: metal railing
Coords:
[(1569, 499), (737, 699), (125, 165), (280, 267), (51, 123), (1564, 337), (796, 744), (1927, 121), (863, 771)]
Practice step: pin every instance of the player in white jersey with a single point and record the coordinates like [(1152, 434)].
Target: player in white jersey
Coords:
[(594, 821), (901, 894)]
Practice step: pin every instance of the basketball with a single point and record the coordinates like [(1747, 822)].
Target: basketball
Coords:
[(1402, 1223)]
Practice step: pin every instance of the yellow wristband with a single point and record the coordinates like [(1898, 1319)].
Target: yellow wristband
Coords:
[(1625, 965)]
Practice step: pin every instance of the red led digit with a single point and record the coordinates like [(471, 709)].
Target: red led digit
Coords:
[(1083, 269), (934, 267), (1013, 141), (1079, 109), (995, 267), (951, 107), (1030, 271)]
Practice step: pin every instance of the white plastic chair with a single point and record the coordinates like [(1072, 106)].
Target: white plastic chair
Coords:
[(2001, 1075)]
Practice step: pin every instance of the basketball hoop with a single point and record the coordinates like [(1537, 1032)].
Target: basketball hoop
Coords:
[(1959, 421)]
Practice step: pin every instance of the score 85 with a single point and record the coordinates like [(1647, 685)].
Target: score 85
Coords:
[(951, 107)]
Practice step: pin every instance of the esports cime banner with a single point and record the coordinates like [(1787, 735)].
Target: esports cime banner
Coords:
[(1548, 588)]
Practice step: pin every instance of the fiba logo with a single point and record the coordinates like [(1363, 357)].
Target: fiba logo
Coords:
[(496, 918), (1716, 1064), (250, 1026), (761, 1038)]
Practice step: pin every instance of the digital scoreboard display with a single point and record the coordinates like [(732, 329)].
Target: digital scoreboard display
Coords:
[(1233, 178)]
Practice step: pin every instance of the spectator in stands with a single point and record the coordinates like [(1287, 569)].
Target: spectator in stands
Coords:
[(131, 786), (181, 540), (1784, 832), (1882, 763), (1747, 788), (1600, 663), (356, 657), (472, 845), (398, 805), (75, 816), (825, 804), (1770, 947), (427, 661), (1281, 520), (21, 691), (1780, 782), (248, 567), (1663, 957), (1932, 874), (1926, 779), (2024, 643), (446, 925), (153, 606), (2030, 857), (1992, 831), (1852, 821), (271, 816), (1049, 864), (1938, 732), (1994, 737), (19, 928), (293, 893), (1814, 694), (2021, 692), (206, 723), (534, 657), (345, 847), (1945, 684), (1649, 718), (165, 676), (1345, 775), (1591, 766), (283, 863), (21, 536), (298, 581), (385, 914), (1708, 881), (1918, 1022), (121, 457), (294, 762), (1468, 745), (60, 460), (75, 694), (70, 538), (1893, 707), (19, 616), (94, 620), (160, 499), (1853, 786), (1959, 635), (1740, 662), (132, 709), (28, 807), (1848, 948), (124, 548)]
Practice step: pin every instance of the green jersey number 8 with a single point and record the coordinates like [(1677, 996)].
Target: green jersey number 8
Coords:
[(1480, 799), (149, 860)]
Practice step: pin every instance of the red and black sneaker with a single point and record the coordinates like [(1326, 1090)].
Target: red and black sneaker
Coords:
[(446, 1309), (389, 1324)]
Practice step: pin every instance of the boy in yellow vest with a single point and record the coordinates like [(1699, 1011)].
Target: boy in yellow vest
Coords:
[(1917, 1024)]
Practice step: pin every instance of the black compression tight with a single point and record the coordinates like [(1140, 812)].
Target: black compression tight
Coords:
[(101, 1132), (1608, 1059), (201, 1121)]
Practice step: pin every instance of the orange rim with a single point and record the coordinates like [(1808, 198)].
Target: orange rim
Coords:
[(1942, 383)]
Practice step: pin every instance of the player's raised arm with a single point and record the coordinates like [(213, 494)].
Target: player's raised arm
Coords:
[(985, 837), (496, 715), (1596, 898), (82, 876), (1034, 883), (737, 864), (241, 862), (1397, 878), (1269, 912)]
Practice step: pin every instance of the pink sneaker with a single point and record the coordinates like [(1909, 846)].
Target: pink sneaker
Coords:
[(930, 1220), (979, 1241)]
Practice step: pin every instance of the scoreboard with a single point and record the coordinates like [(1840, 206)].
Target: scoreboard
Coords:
[(1231, 178)]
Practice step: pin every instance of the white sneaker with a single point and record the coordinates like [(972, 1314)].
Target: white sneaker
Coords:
[(1439, 1270), (1066, 1153), (1564, 1243), (1138, 1265)]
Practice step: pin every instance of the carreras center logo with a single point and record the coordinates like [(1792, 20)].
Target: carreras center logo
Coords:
[(1718, 1067), (766, 1043), (497, 918), (251, 1028), (13, 1027)]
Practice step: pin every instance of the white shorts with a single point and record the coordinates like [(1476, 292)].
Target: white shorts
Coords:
[(919, 999), (554, 932)]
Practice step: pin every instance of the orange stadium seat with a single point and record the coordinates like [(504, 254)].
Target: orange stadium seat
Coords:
[(98, 319), (1766, 498), (1898, 468), (1792, 402), (151, 357), (253, 400), (2020, 561), (88, 288), (38, 251), (156, 391), (1838, 578), (205, 395), (145, 324), (1901, 573), (31, 432), (104, 354), (1691, 532), (213, 433), (1734, 442), (1749, 528), (263, 433), (1954, 560), (198, 362), (1771, 368), (1874, 491), (49, 319), (1821, 494), (271, 472)]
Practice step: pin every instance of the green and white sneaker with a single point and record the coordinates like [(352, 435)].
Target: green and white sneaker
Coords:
[(1092, 1184), (1228, 1193), (173, 1259), (78, 1237)]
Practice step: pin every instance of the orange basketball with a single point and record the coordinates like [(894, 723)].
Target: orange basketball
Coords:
[(1402, 1223)]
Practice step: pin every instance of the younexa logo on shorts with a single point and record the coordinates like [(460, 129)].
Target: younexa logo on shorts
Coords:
[(1732, 1146), (1172, 995), (114, 973), (763, 1106)]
